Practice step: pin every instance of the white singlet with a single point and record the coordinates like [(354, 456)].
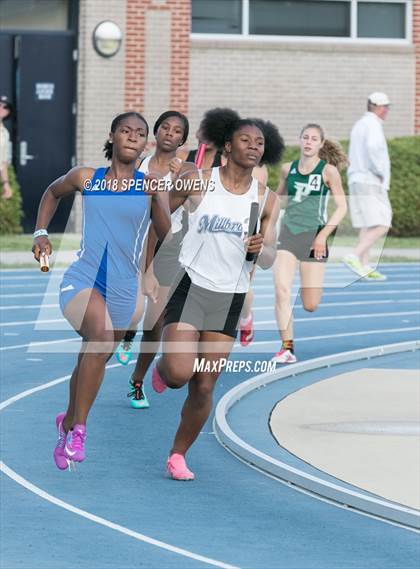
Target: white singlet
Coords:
[(213, 250), (176, 216)]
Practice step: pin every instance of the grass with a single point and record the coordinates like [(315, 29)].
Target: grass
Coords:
[(71, 242), (66, 242)]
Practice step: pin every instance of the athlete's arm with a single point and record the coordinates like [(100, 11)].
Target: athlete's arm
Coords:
[(160, 214), (282, 188), (186, 185), (268, 230), (264, 243), (332, 180), (64, 186), (182, 153)]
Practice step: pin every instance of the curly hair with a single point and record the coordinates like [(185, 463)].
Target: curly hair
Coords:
[(219, 125)]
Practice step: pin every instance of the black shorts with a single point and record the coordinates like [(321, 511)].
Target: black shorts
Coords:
[(300, 244), (165, 263), (204, 309)]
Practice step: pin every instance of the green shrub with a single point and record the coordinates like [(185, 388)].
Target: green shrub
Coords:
[(405, 184), (11, 210)]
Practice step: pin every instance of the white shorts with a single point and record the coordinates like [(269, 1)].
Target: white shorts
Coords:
[(369, 206)]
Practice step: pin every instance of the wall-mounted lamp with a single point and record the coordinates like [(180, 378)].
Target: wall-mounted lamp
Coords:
[(107, 38)]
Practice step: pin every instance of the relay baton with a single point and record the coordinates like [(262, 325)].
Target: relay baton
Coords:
[(199, 156), (44, 264), (252, 227)]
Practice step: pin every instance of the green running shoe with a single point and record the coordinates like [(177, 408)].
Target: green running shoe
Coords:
[(374, 275), (353, 263), (138, 399)]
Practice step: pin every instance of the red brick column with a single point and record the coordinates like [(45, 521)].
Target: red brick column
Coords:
[(416, 41), (135, 51), (134, 54), (180, 56)]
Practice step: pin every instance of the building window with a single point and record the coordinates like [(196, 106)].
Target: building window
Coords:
[(347, 19), (299, 18), (381, 20), (52, 15), (216, 16)]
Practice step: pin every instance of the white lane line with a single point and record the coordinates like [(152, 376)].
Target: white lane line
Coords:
[(345, 317), (34, 344), (304, 339), (346, 284), (357, 303), (24, 306), (349, 335), (30, 278), (107, 523), (326, 293), (25, 285), (28, 294), (26, 322), (87, 515), (309, 319), (350, 293)]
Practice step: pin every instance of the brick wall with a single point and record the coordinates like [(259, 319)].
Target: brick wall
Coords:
[(294, 83), (416, 41), (157, 56)]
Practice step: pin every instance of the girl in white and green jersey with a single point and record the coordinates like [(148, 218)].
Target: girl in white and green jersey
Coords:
[(304, 188)]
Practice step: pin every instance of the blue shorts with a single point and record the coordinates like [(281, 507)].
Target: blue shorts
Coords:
[(119, 294)]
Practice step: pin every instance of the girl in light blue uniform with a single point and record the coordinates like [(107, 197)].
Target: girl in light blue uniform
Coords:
[(99, 291)]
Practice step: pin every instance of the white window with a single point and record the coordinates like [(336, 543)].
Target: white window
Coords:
[(386, 20)]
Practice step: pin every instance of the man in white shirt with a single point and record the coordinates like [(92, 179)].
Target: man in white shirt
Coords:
[(369, 175), (5, 110)]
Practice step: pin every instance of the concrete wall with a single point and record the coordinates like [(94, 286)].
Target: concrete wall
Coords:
[(294, 83)]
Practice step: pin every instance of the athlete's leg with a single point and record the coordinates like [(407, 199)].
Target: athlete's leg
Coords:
[(284, 273), (198, 405), (247, 308), (99, 340), (367, 238), (152, 333), (312, 282), (179, 352)]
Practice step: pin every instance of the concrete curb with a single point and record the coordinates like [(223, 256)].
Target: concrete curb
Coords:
[(377, 507)]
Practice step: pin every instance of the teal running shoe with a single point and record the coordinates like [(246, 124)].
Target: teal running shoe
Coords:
[(138, 399), (124, 353)]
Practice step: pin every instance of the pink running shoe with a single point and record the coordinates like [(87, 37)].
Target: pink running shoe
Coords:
[(60, 458), (284, 357), (75, 445), (157, 382), (247, 330), (177, 468)]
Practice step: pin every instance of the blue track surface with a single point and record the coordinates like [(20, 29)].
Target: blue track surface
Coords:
[(231, 514)]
